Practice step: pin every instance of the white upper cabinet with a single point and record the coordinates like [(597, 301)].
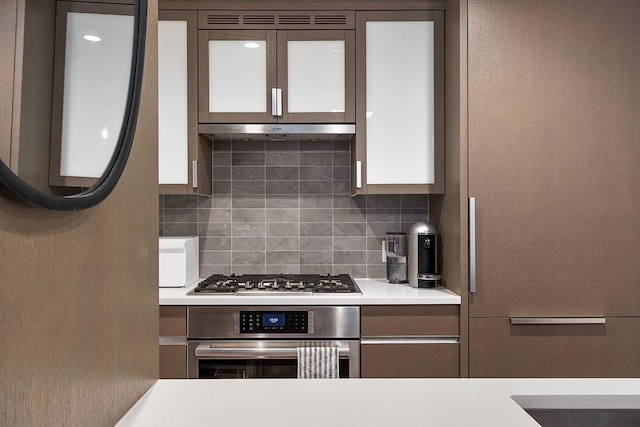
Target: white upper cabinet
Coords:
[(260, 73), (184, 158), (400, 145), (238, 76), (316, 77), (173, 132), (400, 91)]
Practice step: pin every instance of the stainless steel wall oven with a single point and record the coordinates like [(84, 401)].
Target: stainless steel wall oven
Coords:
[(262, 341)]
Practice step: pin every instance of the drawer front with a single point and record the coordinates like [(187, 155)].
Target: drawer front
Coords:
[(409, 361), (420, 320), (173, 362), (498, 348), (173, 321)]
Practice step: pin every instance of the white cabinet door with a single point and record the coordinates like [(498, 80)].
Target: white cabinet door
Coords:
[(400, 103), (263, 76), (184, 158), (315, 76), (173, 132), (400, 116), (316, 72), (237, 74)]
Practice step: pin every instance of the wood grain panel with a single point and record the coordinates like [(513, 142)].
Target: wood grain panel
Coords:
[(173, 362), (499, 349), (79, 295), (173, 321), (409, 361), (8, 19), (449, 210), (554, 96), (31, 142), (387, 320)]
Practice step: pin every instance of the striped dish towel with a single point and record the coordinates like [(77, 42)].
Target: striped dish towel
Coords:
[(318, 362)]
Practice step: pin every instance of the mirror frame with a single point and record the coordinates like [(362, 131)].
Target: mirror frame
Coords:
[(106, 183)]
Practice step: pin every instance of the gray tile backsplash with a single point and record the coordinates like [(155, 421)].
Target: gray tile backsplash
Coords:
[(285, 207)]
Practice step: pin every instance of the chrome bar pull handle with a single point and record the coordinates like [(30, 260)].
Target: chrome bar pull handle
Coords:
[(358, 174), (194, 174), (250, 353), (558, 320), (279, 103), (472, 245), (274, 101)]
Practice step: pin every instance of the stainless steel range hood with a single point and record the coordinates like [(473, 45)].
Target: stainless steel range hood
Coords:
[(279, 132)]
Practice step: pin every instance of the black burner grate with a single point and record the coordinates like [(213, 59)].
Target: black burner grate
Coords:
[(281, 283)]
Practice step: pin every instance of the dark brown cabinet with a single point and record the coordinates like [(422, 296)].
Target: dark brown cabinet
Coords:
[(409, 341), (500, 348), (173, 342), (253, 70), (553, 174)]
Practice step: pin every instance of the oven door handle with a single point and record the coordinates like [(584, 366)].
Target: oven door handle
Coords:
[(211, 352)]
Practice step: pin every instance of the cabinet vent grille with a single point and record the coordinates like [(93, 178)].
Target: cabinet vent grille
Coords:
[(223, 19), (294, 19), (273, 20), (330, 19), (258, 19)]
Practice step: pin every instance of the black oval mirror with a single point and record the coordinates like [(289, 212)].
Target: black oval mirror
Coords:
[(95, 92)]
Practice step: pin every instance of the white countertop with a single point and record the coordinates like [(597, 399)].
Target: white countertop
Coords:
[(371, 402), (374, 292)]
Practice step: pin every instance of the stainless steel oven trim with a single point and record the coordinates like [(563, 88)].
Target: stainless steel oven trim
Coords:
[(226, 351), (264, 349), (326, 322)]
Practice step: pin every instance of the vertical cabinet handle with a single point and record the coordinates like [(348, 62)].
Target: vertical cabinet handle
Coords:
[(276, 102), (472, 245), (279, 109), (358, 174), (194, 174)]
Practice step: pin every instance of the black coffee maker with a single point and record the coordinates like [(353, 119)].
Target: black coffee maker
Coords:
[(424, 269)]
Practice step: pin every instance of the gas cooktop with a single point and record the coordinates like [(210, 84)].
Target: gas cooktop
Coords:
[(279, 284)]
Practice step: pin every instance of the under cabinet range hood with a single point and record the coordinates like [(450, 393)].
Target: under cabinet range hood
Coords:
[(279, 132)]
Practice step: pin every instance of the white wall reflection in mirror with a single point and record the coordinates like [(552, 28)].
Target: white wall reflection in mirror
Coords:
[(97, 69)]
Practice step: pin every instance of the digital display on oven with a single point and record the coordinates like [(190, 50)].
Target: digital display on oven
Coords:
[(272, 319), (252, 322)]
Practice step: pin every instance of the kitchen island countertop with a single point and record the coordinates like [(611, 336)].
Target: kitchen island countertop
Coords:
[(374, 292), (371, 402)]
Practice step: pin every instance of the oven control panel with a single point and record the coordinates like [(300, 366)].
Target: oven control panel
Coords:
[(252, 322)]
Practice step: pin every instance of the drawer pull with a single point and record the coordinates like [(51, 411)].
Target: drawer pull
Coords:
[(472, 246), (409, 340), (558, 320), (173, 340)]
